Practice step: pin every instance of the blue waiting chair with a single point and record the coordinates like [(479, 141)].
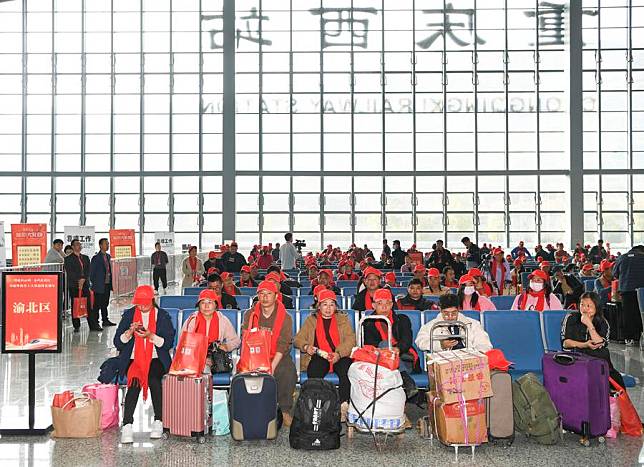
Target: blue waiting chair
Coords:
[(552, 321), (251, 291), (178, 301), (503, 302), (192, 290)]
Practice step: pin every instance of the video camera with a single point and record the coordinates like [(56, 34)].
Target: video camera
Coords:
[(299, 244)]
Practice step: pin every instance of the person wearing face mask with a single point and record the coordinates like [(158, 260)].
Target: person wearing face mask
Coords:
[(587, 331), (538, 295), (469, 299), (326, 339), (478, 339), (482, 286), (144, 338)]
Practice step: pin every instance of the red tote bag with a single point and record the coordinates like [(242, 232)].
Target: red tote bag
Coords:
[(79, 308), (190, 357), (255, 351)]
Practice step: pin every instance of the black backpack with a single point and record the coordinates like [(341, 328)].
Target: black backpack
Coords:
[(316, 417)]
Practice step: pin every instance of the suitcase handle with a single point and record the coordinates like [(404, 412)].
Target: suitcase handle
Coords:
[(564, 359)]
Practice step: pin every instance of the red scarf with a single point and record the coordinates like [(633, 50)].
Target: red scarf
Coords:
[(322, 339), (230, 290), (380, 326), (140, 366), (540, 299), (277, 325), (501, 281), (213, 332), (487, 290), (193, 265), (368, 301)]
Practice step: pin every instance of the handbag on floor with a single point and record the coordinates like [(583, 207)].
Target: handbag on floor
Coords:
[(108, 394), (82, 421)]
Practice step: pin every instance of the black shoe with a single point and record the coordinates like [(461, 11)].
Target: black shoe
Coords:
[(108, 323), (76, 330), (96, 328)]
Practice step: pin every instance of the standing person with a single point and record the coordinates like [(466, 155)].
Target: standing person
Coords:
[(275, 251), (561, 254), (331, 332), (144, 338), (520, 250), (499, 272), (232, 260), (473, 256), (440, 258), (385, 249), (192, 268), (158, 261), (269, 313), (398, 256), (55, 254), (288, 253), (100, 276), (598, 252), (629, 269), (77, 267)]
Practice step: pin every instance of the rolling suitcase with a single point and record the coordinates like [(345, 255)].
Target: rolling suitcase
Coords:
[(499, 409), (613, 314), (253, 407), (578, 386), (187, 408)]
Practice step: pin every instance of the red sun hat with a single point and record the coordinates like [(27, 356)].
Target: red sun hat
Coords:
[(143, 295), (245, 268), (212, 255), (587, 267), (207, 294), (390, 277), (326, 295), (318, 289), (497, 251), (382, 294), (419, 268), (273, 276)]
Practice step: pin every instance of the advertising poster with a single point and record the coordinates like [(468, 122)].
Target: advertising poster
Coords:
[(31, 312), (122, 243), (85, 235), (28, 243)]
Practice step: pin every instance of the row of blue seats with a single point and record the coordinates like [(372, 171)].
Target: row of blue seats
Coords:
[(523, 336)]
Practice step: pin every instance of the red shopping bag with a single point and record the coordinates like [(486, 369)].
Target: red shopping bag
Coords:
[(79, 308), (255, 351), (382, 357), (190, 356), (631, 422), (61, 398)]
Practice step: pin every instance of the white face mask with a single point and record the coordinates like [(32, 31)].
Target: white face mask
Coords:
[(469, 290), (536, 286)]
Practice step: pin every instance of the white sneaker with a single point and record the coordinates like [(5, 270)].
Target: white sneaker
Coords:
[(127, 434), (157, 430)]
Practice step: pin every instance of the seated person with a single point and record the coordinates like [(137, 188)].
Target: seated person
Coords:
[(207, 320), (414, 299), (587, 270), (568, 286), (450, 277), (330, 332), (538, 295), (216, 284), (481, 284), (408, 266), (275, 278), (364, 299), (604, 283), (280, 277), (390, 279), (325, 278), (545, 266), (434, 286), (269, 313), (347, 272), (228, 285), (468, 297), (587, 331), (245, 280), (144, 338), (254, 273), (478, 339), (419, 273)]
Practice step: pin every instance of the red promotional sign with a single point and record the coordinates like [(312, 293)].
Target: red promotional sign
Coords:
[(416, 257), (122, 243), (31, 312), (28, 243)]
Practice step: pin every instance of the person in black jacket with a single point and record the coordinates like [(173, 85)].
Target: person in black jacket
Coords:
[(629, 269), (324, 278), (440, 257), (568, 286), (77, 268), (473, 256), (398, 256), (227, 301), (159, 261), (414, 299), (364, 299), (232, 261), (101, 277)]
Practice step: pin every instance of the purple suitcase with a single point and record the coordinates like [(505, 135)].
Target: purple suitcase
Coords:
[(578, 386)]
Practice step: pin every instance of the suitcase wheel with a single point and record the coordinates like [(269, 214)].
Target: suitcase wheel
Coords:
[(601, 440), (584, 441), (166, 435), (202, 440)]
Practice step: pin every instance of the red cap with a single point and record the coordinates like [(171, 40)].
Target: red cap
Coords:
[(313, 265), (604, 265), (371, 270), (497, 251), (245, 268), (465, 279), (419, 268), (143, 295), (267, 285), (328, 272), (475, 272), (390, 277), (382, 294), (433, 272), (212, 271), (273, 275), (318, 289), (587, 267), (326, 294), (225, 275), (207, 294), (497, 361), (539, 273), (212, 255)]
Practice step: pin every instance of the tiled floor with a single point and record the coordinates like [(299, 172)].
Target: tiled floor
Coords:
[(79, 364)]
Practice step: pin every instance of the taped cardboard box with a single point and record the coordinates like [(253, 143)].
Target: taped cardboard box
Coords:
[(460, 423), (459, 375)]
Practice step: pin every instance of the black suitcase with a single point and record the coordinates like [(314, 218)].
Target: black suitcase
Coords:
[(254, 413), (614, 315)]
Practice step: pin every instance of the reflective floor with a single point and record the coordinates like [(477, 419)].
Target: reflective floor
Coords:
[(79, 364)]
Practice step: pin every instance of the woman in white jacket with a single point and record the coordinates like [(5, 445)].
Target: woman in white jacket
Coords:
[(192, 268), (477, 338)]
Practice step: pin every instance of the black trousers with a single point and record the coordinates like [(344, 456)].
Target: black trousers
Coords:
[(158, 273), (319, 368), (76, 322), (154, 384), (632, 321), (102, 303)]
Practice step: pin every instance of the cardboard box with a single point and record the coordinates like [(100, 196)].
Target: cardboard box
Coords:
[(459, 375), (450, 422)]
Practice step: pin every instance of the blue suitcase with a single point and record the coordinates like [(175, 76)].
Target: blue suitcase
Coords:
[(254, 413)]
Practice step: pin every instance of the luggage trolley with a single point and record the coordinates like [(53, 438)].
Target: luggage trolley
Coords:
[(369, 427), (427, 425)]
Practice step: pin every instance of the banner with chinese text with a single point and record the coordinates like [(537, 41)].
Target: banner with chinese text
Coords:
[(85, 235), (28, 243)]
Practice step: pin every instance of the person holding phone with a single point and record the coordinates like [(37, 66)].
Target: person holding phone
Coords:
[(587, 331), (144, 338)]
